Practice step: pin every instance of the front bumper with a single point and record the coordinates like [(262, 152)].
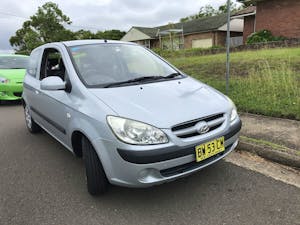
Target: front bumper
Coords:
[(11, 91), (152, 165)]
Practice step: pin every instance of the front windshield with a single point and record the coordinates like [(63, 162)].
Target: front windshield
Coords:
[(13, 62), (102, 64)]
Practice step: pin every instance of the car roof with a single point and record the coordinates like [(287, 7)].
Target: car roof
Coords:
[(84, 42), (94, 41)]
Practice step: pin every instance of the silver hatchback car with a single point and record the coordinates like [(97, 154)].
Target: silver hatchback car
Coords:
[(136, 120)]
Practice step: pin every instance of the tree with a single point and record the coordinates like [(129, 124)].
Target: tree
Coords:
[(47, 25), (247, 3), (205, 11), (110, 34), (233, 8), (84, 34), (208, 11), (25, 39), (43, 27)]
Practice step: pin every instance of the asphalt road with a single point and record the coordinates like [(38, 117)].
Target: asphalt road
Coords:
[(43, 183)]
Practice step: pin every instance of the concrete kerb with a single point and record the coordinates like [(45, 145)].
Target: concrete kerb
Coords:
[(285, 156)]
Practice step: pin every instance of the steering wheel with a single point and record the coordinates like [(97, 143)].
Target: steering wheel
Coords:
[(93, 76)]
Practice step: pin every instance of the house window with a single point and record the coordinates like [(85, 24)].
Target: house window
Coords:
[(172, 43)]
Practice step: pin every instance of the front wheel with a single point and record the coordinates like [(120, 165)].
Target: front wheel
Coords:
[(97, 182), (32, 126)]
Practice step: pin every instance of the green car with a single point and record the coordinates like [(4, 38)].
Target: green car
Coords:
[(12, 72)]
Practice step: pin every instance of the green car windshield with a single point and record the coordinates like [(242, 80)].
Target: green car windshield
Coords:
[(13, 62)]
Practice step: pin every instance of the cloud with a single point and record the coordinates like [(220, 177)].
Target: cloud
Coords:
[(100, 14)]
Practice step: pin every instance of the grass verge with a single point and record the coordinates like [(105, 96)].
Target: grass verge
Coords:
[(265, 82)]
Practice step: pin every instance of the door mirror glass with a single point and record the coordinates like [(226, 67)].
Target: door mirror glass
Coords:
[(53, 84)]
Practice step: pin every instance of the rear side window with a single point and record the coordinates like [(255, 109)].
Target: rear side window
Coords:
[(33, 62)]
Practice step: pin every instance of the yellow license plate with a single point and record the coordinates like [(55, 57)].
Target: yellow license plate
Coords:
[(209, 149)]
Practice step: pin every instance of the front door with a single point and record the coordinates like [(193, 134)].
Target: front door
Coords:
[(52, 105)]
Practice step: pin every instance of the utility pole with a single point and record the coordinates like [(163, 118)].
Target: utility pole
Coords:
[(228, 48)]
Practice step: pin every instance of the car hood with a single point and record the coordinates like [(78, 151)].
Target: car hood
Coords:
[(16, 75), (164, 104)]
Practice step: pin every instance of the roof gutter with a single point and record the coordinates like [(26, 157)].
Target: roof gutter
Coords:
[(200, 32), (243, 15)]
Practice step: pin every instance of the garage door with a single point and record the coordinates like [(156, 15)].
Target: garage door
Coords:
[(202, 43)]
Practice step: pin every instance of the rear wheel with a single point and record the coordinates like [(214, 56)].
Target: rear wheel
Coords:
[(97, 182), (32, 126)]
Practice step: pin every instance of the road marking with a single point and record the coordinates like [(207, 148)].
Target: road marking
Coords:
[(255, 163)]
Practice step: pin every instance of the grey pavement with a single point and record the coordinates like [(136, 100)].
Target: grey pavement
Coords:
[(42, 183), (275, 139), (279, 131)]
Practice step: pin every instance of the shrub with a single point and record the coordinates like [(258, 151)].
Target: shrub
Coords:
[(263, 36), (188, 52)]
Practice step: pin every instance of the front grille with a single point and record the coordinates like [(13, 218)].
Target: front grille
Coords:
[(192, 165), (189, 129), (18, 94)]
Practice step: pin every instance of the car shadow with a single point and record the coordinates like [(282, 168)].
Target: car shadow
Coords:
[(10, 103)]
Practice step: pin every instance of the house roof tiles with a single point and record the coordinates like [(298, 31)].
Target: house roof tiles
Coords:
[(193, 26), (151, 32)]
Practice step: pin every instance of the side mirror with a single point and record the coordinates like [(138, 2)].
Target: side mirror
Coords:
[(53, 84)]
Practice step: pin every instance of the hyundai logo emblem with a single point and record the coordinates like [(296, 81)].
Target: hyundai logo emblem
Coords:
[(202, 127)]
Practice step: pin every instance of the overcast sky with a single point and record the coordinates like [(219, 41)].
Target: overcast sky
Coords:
[(100, 14)]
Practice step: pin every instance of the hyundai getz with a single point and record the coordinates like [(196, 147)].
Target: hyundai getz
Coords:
[(136, 120)]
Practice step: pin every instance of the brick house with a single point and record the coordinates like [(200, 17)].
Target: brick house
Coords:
[(282, 18), (199, 33)]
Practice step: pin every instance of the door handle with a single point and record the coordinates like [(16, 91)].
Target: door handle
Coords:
[(36, 92)]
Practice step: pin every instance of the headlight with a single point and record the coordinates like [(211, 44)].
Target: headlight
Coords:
[(3, 80), (233, 114), (134, 132)]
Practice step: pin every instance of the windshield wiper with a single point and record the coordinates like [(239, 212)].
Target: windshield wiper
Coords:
[(141, 79), (135, 80), (172, 75)]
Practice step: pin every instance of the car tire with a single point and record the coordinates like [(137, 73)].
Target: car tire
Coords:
[(97, 182), (31, 125)]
